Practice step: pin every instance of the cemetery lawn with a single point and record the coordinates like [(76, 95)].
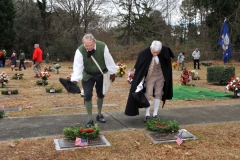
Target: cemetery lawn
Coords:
[(215, 141)]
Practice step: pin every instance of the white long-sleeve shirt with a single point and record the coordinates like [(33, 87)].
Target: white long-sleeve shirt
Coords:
[(78, 66), (196, 54)]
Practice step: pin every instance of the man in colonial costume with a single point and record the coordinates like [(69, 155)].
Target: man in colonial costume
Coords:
[(85, 69), (153, 70)]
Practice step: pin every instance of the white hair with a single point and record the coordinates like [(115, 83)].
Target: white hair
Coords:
[(156, 46), (90, 36)]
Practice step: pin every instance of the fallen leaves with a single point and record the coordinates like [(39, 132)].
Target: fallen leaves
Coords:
[(11, 144), (168, 146), (137, 142)]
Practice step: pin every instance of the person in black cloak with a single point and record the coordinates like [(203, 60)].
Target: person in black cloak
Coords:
[(153, 76)]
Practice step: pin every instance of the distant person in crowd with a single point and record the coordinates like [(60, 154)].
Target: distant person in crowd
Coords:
[(181, 58), (1, 59), (153, 76), (13, 59), (85, 69), (196, 57), (4, 57), (47, 58), (37, 60), (21, 59)]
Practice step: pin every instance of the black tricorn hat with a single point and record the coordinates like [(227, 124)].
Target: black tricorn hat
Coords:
[(70, 86), (141, 99)]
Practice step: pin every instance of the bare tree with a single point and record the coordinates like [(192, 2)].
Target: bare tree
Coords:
[(134, 16), (81, 12)]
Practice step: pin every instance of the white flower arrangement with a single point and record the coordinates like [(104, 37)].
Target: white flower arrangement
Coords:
[(194, 72), (4, 78), (233, 84), (194, 75)]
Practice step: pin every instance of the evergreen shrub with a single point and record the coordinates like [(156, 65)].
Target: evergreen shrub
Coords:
[(220, 74)]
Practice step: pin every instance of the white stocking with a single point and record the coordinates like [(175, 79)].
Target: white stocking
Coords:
[(156, 106), (148, 110)]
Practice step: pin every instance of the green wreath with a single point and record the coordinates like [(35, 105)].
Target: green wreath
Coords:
[(82, 132), (40, 82), (158, 125), (196, 78), (17, 76), (6, 92), (57, 90), (50, 70)]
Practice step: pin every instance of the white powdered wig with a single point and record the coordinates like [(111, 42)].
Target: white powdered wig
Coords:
[(156, 46)]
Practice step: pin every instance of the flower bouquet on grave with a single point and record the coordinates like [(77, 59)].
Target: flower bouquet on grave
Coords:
[(17, 76), (174, 64), (9, 92), (82, 132), (57, 67), (194, 75), (161, 126), (186, 78), (44, 77), (4, 79), (234, 86), (48, 69), (121, 70)]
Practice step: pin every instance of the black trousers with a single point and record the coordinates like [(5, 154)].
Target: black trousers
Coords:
[(22, 64), (96, 81), (4, 59), (194, 63)]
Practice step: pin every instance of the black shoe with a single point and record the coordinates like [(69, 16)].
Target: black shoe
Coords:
[(156, 117), (100, 118), (89, 124), (146, 119)]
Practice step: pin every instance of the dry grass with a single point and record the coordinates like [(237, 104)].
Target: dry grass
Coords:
[(217, 141)]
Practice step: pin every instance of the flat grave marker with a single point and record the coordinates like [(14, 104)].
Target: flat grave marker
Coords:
[(170, 137), (11, 96), (67, 143), (11, 109)]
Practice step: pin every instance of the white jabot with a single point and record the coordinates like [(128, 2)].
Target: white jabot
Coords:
[(156, 59)]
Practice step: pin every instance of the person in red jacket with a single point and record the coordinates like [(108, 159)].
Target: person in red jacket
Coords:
[(37, 59)]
